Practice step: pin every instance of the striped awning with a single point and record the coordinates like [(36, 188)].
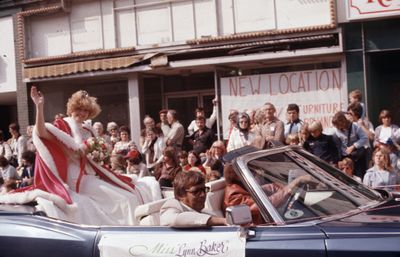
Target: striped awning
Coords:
[(56, 70)]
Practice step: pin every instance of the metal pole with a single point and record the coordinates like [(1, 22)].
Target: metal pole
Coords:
[(364, 70), (218, 102)]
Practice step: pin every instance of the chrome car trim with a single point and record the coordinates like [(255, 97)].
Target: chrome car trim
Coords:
[(249, 179), (241, 162)]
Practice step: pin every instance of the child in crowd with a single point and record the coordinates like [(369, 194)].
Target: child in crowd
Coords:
[(355, 96), (118, 164), (292, 139), (321, 145), (28, 164), (135, 166), (304, 133), (183, 158), (347, 166)]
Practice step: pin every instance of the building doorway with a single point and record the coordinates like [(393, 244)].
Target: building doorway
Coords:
[(185, 104), (384, 83)]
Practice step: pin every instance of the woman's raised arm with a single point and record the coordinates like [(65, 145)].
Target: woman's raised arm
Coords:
[(38, 100)]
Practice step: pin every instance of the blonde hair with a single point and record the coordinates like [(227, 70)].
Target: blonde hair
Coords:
[(356, 94), (118, 162), (292, 138), (315, 125), (347, 161), (82, 100), (218, 144), (386, 157), (259, 116)]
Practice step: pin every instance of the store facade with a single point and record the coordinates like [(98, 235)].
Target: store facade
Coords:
[(138, 57), (372, 50)]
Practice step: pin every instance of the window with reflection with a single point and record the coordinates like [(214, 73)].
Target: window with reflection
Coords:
[(302, 188)]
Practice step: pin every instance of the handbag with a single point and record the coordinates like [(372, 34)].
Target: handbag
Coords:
[(13, 161)]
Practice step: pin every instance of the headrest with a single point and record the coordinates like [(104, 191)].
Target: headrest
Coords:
[(216, 185)]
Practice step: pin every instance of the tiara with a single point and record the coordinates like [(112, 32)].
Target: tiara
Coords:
[(84, 94)]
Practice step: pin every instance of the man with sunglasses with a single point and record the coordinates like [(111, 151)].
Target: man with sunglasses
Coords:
[(190, 196)]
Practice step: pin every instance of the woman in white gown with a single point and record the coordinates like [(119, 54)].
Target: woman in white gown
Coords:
[(70, 186)]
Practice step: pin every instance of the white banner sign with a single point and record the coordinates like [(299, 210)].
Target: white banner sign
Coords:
[(319, 93), (363, 9), (176, 244)]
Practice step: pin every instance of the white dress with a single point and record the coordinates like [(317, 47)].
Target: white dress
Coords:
[(98, 202)]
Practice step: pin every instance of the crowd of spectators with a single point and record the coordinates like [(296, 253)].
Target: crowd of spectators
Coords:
[(165, 150)]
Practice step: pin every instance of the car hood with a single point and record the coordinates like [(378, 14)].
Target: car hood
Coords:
[(383, 218)]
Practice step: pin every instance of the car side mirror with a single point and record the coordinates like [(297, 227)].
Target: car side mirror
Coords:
[(238, 215)]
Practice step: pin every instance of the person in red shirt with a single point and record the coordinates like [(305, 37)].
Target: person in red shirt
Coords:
[(194, 161)]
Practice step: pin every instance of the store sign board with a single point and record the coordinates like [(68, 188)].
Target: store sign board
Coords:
[(364, 9), (319, 93)]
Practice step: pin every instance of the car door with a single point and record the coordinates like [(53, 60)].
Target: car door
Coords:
[(164, 241), (34, 236), (363, 235), (286, 241)]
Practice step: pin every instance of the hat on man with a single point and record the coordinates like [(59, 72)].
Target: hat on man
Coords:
[(133, 156), (163, 111)]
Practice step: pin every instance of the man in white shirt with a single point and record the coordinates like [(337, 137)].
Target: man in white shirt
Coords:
[(190, 196), (200, 113), (176, 134)]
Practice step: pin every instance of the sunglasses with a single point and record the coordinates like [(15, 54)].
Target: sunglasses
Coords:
[(198, 191)]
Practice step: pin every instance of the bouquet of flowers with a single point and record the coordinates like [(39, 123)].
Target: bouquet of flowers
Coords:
[(97, 150)]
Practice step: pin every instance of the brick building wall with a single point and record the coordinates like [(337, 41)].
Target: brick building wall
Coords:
[(22, 95)]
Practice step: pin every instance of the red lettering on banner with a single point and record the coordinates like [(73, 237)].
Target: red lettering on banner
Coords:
[(291, 82), (380, 2), (326, 121), (323, 108), (241, 87), (271, 92), (233, 86), (285, 83), (302, 87), (326, 79), (308, 79), (336, 81), (280, 84), (256, 90)]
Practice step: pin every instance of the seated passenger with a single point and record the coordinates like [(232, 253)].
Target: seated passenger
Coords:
[(185, 209), (235, 193)]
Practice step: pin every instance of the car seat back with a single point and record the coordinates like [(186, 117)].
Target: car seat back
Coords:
[(215, 197), (149, 214)]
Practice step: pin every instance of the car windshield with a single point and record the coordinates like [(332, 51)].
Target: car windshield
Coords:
[(303, 188)]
